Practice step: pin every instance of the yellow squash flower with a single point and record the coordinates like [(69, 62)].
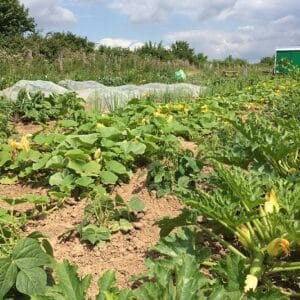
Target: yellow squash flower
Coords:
[(169, 119), (250, 283), (97, 154), (145, 121), (158, 113), (204, 108), (14, 145), (25, 143), (278, 246), (247, 235), (271, 205)]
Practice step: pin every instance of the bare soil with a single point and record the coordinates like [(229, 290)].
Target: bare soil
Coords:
[(18, 190), (29, 128), (188, 145), (125, 252)]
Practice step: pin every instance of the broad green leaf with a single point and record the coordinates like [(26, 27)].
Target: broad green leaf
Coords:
[(95, 234), (90, 168), (41, 162), (31, 281), (84, 181), (47, 247), (108, 288), (49, 295), (77, 154), (68, 123), (176, 244), (183, 181), (8, 275), (107, 281), (108, 177), (35, 199), (47, 139), (31, 155), (88, 138), (28, 254), (59, 179), (69, 283), (55, 162), (136, 204), (5, 156), (189, 280), (107, 143), (14, 201), (120, 201), (8, 180), (133, 147), (109, 132), (125, 225), (115, 167)]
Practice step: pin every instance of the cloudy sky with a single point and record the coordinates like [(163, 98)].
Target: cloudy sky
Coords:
[(244, 28)]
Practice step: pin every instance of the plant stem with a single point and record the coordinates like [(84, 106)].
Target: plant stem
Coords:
[(284, 266), (226, 244)]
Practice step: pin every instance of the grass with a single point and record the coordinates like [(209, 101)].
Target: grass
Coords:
[(116, 70)]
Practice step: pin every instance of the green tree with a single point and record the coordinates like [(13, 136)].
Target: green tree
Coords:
[(200, 58), (14, 18), (55, 42), (268, 60), (182, 50), (155, 50)]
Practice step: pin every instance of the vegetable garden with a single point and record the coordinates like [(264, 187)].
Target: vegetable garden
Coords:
[(237, 234)]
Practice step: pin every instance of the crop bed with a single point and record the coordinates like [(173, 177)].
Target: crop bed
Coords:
[(185, 200)]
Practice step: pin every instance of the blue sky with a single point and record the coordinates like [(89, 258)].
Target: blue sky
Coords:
[(244, 28)]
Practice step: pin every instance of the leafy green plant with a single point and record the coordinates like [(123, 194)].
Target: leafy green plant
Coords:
[(264, 144), (5, 118), (10, 229), (28, 270), (23, 270), (104, 216), (39, 108), (265, 227)]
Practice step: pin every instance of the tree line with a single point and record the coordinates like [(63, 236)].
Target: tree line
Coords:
[(18, 33)]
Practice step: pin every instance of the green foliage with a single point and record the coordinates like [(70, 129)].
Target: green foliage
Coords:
[(10, 228), (39, 108), (155, 50), (104, 216), (182, 50), (70, 286), (248, 206), (268, 60), (24, 268), (54, 42), (5, 117), (14, 18)]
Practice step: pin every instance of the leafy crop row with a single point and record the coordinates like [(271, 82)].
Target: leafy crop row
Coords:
[(240, 191)]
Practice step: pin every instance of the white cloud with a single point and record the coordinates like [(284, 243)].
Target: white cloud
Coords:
[(252, 42), (245, 28), (159, 10), (50, 13), (123, 43)]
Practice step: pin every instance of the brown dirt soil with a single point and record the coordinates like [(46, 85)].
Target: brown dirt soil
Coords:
[(188, 145), (19, 190), (125, 252), (30, 128)]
